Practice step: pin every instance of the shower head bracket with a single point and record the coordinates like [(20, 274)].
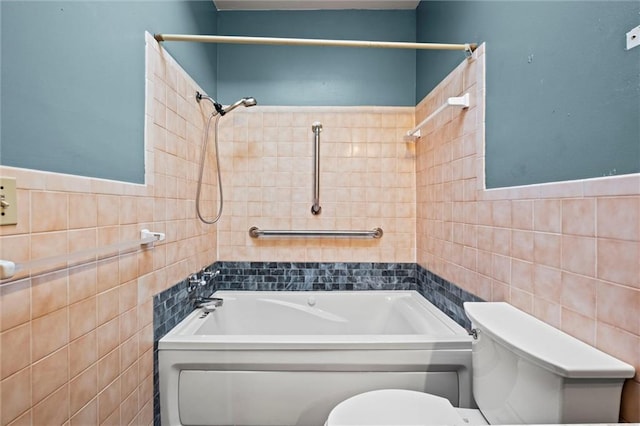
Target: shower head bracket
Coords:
[(219, 108)]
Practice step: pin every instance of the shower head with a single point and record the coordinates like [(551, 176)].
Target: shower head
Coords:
[(247, 102), (250, 101)]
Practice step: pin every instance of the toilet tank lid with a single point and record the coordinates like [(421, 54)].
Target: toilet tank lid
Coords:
[(543, 344)]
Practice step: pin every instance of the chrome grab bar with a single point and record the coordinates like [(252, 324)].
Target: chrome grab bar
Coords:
[(256, 232), (316, 127)]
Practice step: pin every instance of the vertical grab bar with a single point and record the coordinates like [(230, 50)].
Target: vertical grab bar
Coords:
[(316, 127)]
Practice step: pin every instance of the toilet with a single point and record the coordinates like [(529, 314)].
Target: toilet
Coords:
[(524, 371)]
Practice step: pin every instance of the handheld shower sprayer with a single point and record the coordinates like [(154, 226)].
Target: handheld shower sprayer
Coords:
[(246, 102), (220, 111)]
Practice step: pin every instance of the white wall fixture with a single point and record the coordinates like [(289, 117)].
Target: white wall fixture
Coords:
[(633, 38), (8, 268), (151, 237), (459, 101)]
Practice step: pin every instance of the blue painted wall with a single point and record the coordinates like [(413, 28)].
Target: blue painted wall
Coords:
[(563, 94), (294, 75), (73, 80)]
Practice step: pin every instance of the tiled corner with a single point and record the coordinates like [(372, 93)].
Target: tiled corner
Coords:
[(86, 325), (572, 257)]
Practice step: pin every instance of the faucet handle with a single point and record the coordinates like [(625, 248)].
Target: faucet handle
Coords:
[(201, 278), (207, 275), (194, 282)]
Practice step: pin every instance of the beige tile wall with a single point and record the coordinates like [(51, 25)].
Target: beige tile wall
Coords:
[(76, 343), (367, 180), (567, 252)]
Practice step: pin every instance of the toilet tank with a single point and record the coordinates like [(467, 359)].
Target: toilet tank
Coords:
[(526, 371)]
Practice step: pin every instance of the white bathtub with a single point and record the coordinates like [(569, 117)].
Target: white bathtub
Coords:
[(287, 358)]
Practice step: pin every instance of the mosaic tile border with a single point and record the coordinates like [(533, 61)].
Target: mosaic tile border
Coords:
[(315, 276), (445, 295), (174, 304)]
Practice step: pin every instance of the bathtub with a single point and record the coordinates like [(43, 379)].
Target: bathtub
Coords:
[(287, 358)]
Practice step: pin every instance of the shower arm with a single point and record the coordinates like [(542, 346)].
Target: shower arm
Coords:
[(218, 107)]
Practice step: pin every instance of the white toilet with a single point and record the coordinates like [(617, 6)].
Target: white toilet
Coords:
[(524, 371)]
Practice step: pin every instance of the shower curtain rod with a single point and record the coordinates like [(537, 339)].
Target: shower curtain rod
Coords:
[(467, 47)]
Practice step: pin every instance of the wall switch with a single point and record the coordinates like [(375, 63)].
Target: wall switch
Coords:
[(8, 201), (633, 38)]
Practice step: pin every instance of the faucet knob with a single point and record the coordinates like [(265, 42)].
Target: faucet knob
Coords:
[(200, 279), (207, 275), (194, 282)]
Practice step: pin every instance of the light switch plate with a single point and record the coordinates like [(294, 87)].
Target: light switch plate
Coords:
[(8, 213), (633, 38)]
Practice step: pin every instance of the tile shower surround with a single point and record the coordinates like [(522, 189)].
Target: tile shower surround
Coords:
[(367, 180), (174, 304), (567, 252)]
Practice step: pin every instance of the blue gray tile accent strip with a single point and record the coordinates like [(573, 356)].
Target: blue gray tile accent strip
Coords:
[(310, 276), (174, 304), (446, 296)]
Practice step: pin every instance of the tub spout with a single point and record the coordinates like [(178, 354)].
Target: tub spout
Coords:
[(207, 303)]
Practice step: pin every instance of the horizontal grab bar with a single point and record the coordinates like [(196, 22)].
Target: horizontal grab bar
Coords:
[(255, 232), (9, 268)]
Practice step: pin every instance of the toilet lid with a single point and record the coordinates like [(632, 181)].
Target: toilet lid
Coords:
[(394, 407)]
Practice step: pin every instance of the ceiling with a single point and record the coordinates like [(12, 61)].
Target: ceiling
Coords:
[(313, 4)]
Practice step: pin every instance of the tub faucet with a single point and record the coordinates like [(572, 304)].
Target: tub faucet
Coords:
[(208, 304)]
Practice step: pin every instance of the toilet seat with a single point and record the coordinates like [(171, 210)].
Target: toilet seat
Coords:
[(394, 407)]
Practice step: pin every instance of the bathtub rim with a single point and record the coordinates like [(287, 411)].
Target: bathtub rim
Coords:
[(457, 339)]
